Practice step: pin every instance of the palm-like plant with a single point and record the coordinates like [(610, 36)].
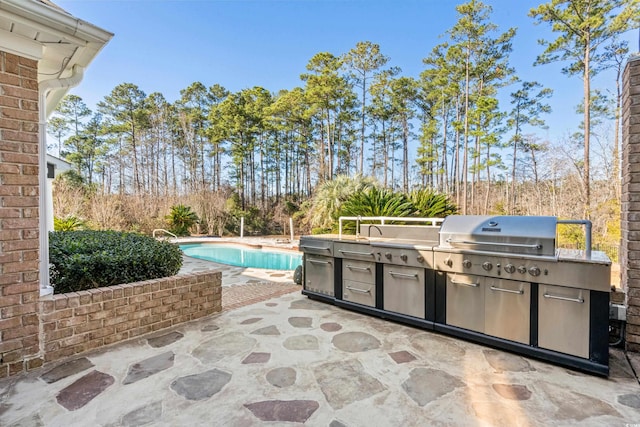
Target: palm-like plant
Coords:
[(375, 202), (329, 197), (70, 223), (429, 204), (180, 219)]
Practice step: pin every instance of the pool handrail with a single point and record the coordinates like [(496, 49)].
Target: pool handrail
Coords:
[(164, 231)]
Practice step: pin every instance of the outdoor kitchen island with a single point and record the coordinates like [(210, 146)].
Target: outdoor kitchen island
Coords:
[(495, 280)]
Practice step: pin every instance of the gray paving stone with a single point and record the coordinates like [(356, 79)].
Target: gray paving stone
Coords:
[(630, 400), (345, 382), (294, 411), (271, 304), (300, 322), (355, 342), (434, 347), (281, 377), (210, 328), (142, 416), (306, 304), (256, 358), (267, 330), (331, 327), (67, 369), (32, 420), (512, 391), (502, 361), (164, 340), (215, 349), (576, 406), (425, 385), (301, 342), (83, 390), (251, 320), (148, 367), (201, 386), (336, 423)]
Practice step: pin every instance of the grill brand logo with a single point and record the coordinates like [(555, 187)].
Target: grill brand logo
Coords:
[(492, 229)]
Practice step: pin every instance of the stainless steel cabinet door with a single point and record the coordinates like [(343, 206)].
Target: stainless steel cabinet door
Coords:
[(507, 309), (359, 271), (563, 319), (465, 302), (404, 290), (318, 273)]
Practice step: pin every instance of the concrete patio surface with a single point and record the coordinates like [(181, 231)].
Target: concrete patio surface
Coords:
[(289, 360)]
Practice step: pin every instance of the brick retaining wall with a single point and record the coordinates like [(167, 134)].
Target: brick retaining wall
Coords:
[(79, 321)]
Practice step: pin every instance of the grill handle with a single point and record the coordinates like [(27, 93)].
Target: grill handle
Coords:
[(362, 291), (395, 274), (353, 267), (473, 285), (316, 248), (510, 291), (355, 253), (578, 300), (508, 245), (315, 261)]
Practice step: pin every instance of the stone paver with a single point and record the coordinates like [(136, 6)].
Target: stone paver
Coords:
[(83, 390), (66, 369), (341, 369)]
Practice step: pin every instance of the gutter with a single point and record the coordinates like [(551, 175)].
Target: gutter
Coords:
[(57, 20), (43, 90)]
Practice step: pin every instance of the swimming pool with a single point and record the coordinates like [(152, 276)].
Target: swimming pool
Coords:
[(244, 257)]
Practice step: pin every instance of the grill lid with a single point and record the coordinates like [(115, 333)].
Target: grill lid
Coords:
[(527, 235)]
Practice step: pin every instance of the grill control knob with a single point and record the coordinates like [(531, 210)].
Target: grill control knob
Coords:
[(387, 255), (420, 258), (487, 265), (534, 271), (403, 257), (448, 262), (510, 268), (466, 263), (522, 269)]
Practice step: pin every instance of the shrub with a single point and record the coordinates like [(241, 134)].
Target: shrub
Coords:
[(430, 204), (70, 223), (81, 260), (180, 219)]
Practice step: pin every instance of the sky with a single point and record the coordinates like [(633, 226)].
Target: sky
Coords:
[(165, 45)]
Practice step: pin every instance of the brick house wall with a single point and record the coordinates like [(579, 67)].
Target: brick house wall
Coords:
[(19, 281), (630, 253)]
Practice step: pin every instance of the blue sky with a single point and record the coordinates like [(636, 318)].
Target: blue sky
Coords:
[(165, 45)]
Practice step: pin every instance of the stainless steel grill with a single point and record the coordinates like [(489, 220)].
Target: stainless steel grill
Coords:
[(511, 234)]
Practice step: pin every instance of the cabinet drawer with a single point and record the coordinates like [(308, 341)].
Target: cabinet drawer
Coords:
[(404, 290), (563, 319), (507, 309), (359, 271), (353, 251), (465, 302), (358, 292)]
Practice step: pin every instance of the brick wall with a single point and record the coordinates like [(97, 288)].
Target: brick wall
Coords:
[(19, 284), (75, 322), (630, 253)]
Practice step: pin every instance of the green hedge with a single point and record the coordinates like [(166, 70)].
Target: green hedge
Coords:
[(89, 259)]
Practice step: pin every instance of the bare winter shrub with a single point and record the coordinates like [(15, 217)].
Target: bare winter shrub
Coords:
[(68, 200), (214, 209), (106, 212)]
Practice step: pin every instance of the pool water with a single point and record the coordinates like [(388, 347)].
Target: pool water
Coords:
[(244, 257)]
